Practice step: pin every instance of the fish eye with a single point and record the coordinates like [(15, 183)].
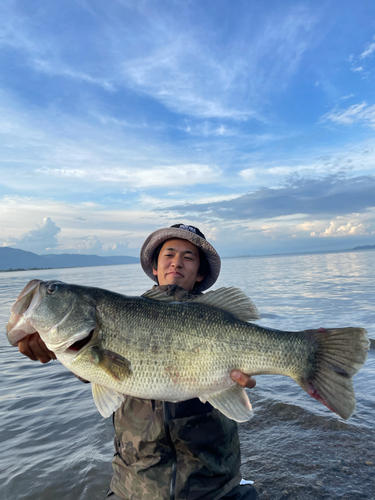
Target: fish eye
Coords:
[(52, 288)]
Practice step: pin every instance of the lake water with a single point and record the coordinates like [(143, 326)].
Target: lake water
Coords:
[(55, 445)]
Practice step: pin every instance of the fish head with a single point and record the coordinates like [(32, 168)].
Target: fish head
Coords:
[(62, 314)]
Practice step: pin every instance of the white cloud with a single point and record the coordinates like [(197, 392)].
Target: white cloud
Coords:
[(118, 248), (166, 176), (370, 49), (248, 174), (273, 231), (40, 239), (355, 113), (360, 225), (43, 239), (184, 70), (52, 68), (180, 197), (89, 244), (336, 229), (357, 224), (353, 157), (207, 129), (345, 97), (44, 150), (165, 76), (312, 226), (44, 54), (209, 198), (93, 245), (84, 226), (164, 53)]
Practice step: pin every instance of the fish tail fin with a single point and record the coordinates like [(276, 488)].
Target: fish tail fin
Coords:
[(340, 353)]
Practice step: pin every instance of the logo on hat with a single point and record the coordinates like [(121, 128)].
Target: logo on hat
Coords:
[(191, 229)]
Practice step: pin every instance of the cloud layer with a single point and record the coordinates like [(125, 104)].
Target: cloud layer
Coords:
[(328, 197), (117, 118)]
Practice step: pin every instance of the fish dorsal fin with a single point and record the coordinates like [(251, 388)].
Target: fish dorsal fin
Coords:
[(234, 403), (106, 400), (232, 300)]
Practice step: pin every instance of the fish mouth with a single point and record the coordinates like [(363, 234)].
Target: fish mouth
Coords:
[(77, 346), (19, 324)]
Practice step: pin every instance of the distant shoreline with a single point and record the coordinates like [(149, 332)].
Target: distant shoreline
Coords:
[(67, 267), (249, 256), (29, 269), (317, 252)]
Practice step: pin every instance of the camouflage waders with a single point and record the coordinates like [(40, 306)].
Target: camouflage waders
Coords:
[(179, 451)]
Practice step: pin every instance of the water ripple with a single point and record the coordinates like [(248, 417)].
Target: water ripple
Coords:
[(56, 445)]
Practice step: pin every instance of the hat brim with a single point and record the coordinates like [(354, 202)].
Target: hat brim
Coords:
[(161, 235)]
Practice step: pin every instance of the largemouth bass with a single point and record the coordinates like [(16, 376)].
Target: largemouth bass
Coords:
[(154, 348)]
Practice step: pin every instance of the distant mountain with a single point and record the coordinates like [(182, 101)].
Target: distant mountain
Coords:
[(13, 258), (366, 247)]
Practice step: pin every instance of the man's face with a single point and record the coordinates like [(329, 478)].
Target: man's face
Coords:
[(178, 264)]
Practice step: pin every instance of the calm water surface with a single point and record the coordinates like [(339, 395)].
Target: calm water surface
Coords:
[(55, 445)]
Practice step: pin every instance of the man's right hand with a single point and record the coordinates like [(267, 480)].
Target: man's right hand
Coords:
[(34, 348)]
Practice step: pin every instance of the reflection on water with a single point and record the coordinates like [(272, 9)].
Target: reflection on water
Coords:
[(56, 445), (306, 291)]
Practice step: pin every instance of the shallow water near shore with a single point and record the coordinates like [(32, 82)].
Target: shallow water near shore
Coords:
[(56, 445)]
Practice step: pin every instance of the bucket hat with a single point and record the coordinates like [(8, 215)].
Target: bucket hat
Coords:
[(184, 232)]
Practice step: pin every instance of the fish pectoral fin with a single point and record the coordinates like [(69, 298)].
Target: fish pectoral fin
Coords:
[(112, 363), (232, 300), (106, 400), (234, 403)]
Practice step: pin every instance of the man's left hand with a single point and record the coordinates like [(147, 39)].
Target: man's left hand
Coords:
[(243, 379)]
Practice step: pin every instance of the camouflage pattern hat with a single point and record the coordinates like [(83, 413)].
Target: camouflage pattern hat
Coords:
[(184, 232)]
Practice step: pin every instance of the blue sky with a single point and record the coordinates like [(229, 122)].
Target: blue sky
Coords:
[(253, 120)]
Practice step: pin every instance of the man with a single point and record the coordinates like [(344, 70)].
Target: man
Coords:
[(173, 451)]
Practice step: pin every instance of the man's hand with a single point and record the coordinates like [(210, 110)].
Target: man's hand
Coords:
[(243, 379), (34, 348)]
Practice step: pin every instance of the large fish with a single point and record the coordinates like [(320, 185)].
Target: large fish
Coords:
[(156, 348)]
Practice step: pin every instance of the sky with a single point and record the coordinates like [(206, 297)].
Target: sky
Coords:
[(253, 121)]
